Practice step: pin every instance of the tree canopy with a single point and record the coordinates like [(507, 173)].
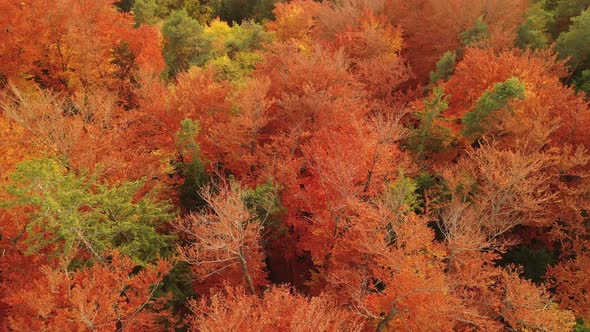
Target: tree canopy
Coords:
[(297, 165)]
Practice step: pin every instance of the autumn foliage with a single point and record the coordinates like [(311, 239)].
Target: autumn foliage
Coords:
[(353, 165)]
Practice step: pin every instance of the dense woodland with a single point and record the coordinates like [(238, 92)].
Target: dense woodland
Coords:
[(263, 165)]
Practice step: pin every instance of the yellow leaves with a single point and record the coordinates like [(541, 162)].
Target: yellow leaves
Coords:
[(528, 306), (218, 33), (217, 28), (164, 157), (14, 147), (386, 34), (294, 21)]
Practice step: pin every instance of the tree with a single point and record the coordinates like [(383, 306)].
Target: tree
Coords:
[(495, 190), (181, 34), (573, 46), (554, 111), (293, 20), (144, 12), (430, 136), (263, 9), (223, 241), (433, 27), (390, 268), (191, 167), (69, 47), (572, 286), (110, 296), (235, 10), (77, 212), (528, 307), (476, 121), (277, 309), (574, 43), (200, 97), (374, 49), (476, 34), (444, 67), (232, 51), (533, 32), (562, 13), (241, 137)]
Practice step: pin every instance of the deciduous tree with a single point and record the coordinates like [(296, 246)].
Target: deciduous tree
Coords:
[(110, 296)]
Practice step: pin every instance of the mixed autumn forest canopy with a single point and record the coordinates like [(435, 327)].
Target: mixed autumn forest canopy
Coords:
[(264, 165)]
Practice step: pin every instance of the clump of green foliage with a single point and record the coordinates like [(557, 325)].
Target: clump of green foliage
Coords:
[(445, 67), (476, 34), (429, 136), (82, 212), (477, 121)]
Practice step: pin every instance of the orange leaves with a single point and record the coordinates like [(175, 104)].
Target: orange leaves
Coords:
[(368, 36), (527, 307), (372, 45), (294, 20), (102, 297), (432, 27), (393, 274), (146, 43), (549, 109), (199, 97), (383, 243), (493, 191), (86, 130), (223, 243), (375, 47), (572, 284), (278, 310), (68, 45), (240, 139)]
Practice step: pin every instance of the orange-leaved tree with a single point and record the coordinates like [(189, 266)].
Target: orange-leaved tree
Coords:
[(108, 296)]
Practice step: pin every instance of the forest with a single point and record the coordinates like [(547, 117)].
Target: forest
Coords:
[(295, 165)]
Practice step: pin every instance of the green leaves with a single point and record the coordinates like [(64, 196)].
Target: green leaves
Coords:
[(400, 196), (191, 167), (476, 34), (532, 33), (144, 12), (264, 203), (492, 100), (575, 43), (185, 138), (181, 34), (444, 67), (230, 49), (430, 136), (78, 212)]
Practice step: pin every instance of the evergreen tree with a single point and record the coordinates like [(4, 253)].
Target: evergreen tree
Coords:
[(144, 12), (476, 34), (444, 67), (430, 136), (575, 44), (72, 212), (181, 33), (492, 100), (532, 33)]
